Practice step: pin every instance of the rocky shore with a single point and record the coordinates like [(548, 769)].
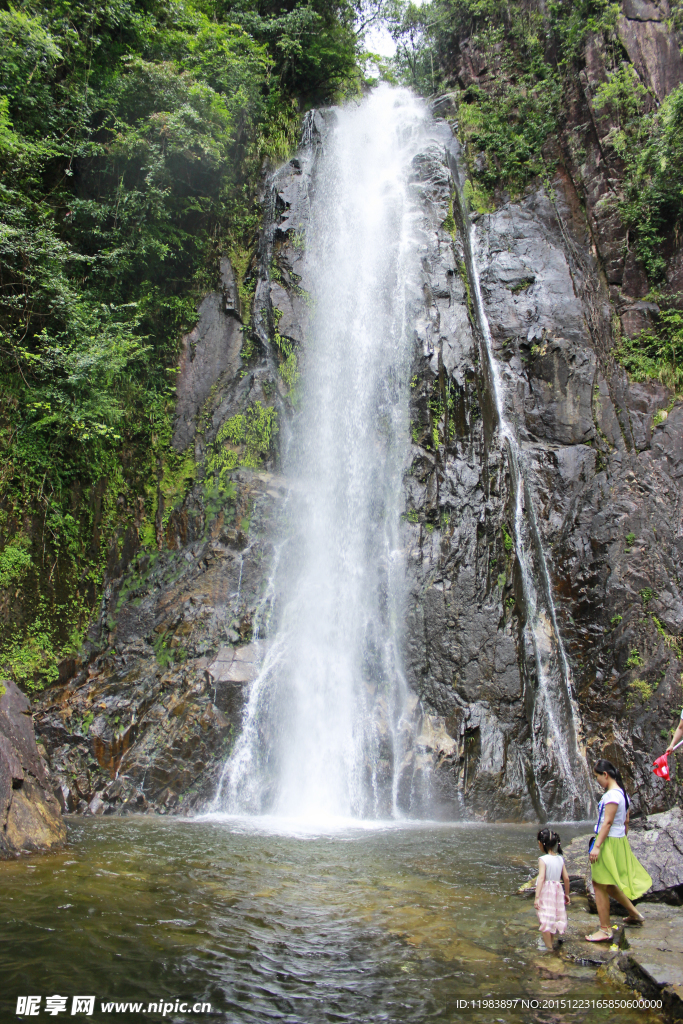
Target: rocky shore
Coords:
[(30, 816), (645, 958)]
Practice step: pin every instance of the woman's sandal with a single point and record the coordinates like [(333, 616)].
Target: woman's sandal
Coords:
[(634, 920), (605, 936)]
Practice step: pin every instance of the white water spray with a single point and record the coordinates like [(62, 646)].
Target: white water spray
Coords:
[(326, 731)]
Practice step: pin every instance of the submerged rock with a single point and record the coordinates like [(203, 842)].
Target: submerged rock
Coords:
[(30, 816)]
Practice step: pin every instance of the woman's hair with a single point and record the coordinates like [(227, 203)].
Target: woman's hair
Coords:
[(549, 840), (607, 766)]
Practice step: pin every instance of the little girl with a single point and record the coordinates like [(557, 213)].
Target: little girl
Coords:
[(550, 901)]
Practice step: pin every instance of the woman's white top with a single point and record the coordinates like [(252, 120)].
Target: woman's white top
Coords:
[(618, 828), (553, 866)]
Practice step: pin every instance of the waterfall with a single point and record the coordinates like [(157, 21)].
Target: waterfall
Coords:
[(327, 727), (562, 782), (330, 725)]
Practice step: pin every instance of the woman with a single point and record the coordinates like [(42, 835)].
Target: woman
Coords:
[(614, 869)]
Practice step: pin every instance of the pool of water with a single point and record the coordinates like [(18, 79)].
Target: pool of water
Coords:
[(271, 920)]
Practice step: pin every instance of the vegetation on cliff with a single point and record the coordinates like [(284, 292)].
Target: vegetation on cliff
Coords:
[(516, 70), (132, 138)]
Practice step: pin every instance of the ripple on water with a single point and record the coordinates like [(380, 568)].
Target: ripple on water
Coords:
[(274, 919)]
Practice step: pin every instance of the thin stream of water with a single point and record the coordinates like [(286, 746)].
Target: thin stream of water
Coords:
[(555, 729)]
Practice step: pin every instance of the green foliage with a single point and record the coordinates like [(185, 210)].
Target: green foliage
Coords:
[(659, 626), (647, 593), (476, 197), (450, 226), (162, 650), (656, 354), (615, 620), (289, 363), (529, 57), (504, 124), (246, 439), (509, 126), (289, 371), (640, 692), (508, 542), (630, 539), (30, 656), (132, 140), (674, 643), (634, 659), (649, 140), (15, 562)]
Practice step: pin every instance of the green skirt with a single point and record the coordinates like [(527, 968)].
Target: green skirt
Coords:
[(616, 865)]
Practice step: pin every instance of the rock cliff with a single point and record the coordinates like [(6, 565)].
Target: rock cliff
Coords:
[(151, 713)]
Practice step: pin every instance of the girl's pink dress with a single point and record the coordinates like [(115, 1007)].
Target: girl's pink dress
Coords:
[(551, 910)]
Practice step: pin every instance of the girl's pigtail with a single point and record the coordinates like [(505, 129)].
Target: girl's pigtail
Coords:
[(549, 840), (559, 845)]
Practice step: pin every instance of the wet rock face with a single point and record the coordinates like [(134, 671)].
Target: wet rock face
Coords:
[(30, 816), (604, 475), (148, 724), (604, 481), (210, 350), (650, 45), (609, 507)]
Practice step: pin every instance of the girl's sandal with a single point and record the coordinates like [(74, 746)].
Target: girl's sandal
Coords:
[(601, 935), (634, 920)]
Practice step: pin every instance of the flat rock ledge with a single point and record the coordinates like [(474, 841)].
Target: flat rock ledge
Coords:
[(653, 960), (648, 958), (30, 816)]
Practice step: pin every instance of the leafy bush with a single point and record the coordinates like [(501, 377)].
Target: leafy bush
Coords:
[(246, 439), (640, 693), (649, 141), (14, 564), (634, 659), (656, 354)]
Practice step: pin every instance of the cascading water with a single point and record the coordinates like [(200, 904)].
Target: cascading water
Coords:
[(562, 781), (327, 728)]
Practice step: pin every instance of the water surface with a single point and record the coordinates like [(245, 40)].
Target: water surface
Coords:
[(272, 921)]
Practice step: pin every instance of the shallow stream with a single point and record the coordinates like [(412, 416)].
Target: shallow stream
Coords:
[(269, 921)]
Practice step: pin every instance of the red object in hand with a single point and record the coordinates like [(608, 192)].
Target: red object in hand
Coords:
[(661, 767)]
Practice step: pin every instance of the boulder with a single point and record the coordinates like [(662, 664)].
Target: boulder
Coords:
[(657, 842), (30, 816)]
